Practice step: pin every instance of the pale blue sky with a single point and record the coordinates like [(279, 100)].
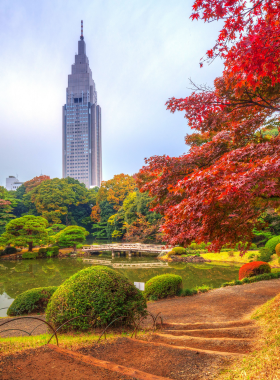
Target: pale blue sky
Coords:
[(141, 52)]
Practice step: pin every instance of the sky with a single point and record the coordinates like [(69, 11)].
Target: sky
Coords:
[(141, 53)]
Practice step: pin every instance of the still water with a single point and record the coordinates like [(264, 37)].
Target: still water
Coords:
[(19, 276)]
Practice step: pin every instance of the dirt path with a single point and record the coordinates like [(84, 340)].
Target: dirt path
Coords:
[(45, 364), (223, 304), (201, 334)]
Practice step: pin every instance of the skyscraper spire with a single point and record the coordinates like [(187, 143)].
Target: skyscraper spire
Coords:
[(82, 31), (81, 124)]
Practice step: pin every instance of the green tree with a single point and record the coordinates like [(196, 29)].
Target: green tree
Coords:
[(7, 204), (135, 215), (53, 199), (28, 231), (55, 229), (71, 236)]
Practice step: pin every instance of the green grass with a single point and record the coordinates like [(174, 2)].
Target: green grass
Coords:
[(71, 341), (224, 256), (263, 362)]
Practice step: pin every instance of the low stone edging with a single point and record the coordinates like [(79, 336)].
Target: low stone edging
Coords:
[(189, 259), (12, 257)]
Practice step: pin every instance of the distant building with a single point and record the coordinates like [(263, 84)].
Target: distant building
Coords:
[(81, 124), (12, 183)]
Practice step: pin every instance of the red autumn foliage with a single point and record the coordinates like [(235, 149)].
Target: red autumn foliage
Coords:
[(249, 40), (231, 175), (34, 182), (253, 269)]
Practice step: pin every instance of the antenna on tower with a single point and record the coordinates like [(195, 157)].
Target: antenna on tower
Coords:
[(82, 30)]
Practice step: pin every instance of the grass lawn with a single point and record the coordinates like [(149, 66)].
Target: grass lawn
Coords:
[(263, 363), (71, 341), (224, 256)]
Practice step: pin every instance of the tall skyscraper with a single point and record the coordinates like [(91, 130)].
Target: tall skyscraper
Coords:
[(81, 123)]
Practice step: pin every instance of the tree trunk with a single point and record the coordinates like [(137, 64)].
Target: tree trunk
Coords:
[(30, 247), (74, 247)]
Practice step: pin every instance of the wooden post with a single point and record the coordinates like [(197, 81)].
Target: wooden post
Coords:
[(113, 254)]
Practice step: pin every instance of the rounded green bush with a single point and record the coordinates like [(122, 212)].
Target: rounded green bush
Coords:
[(32, 301), (271, 244), (178, 250), (162, 286), (100, 292), (9, 250), (30, 255)]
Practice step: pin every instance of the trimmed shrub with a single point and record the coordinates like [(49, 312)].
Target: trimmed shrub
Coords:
[(153, 298), (52, 251), (253, 269), (187, 292), (277, 249), (162, 286), (265, 254), (9, 250), (248, 280), (31, 301), (271, 243), (30, 255), (42, 252), (178, 250), (193, 245), (100, 292), (203, 288)]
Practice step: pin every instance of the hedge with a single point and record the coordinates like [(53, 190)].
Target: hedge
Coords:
[(30, 255), (253, 269), (271, 244), (99, 292), (32, 301), (49, 251), (162, 286), (249, 280), (9, 251), (178, 250)]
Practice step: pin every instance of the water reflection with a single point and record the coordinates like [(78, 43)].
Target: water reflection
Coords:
[(17, 277)]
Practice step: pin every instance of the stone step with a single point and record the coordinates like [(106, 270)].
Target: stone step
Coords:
[(160, 359), (186, 349), (136, 374), (232, 345), (207, 325), (223, 332)]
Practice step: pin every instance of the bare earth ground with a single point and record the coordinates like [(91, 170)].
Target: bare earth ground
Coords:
[(45, 364), (201, 335), (223, 304)]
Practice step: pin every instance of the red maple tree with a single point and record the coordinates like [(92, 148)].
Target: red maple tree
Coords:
[(218, 191), (34, 182)]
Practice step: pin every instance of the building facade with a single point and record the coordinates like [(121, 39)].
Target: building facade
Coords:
[(12, 183), (81, 124)]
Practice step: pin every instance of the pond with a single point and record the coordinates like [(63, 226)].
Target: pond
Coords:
[(19, 276)]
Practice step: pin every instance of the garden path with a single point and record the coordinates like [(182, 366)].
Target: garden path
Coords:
[(200, 335)]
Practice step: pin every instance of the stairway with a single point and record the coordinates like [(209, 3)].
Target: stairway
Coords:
[(177, 351), (226, 338)]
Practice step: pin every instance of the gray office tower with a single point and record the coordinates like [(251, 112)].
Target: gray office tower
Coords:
[(81, 124)]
